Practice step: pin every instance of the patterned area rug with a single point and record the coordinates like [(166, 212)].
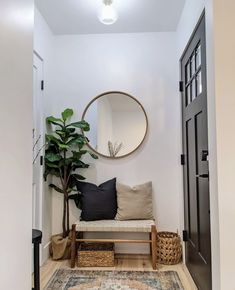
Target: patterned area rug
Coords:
[(64, 279)]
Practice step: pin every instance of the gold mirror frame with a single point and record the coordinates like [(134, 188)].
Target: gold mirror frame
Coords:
[(133, 98)]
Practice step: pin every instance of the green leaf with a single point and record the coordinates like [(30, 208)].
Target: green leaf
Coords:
[(54, 171), (69, 190), (61, 133), (58, 142), (51, 171), (51, 138), (70, 130), (76, 156), (52, 157), (67, 114), (72, 182), (56, 188), (81, 125), (79, 177), (79, 164), (54, 121), (66, 132), (93, 155), (77, 199), (66, 161), (84, 151), (52, 165), (46, 173), (78, 139), (63, 146), (52, 147), (72, 141)]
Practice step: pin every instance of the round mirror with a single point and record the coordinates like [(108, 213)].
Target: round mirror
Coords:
[(118, 124)]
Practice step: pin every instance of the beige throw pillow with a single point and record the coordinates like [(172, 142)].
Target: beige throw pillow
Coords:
[(134, 203)]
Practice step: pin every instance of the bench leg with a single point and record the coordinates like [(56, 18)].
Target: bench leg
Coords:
[(154, 247), (73, 246)]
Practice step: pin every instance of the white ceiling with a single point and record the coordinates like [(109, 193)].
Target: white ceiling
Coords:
[(80, 16)]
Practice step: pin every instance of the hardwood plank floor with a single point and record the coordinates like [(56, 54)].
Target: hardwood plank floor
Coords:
[(122, 262)]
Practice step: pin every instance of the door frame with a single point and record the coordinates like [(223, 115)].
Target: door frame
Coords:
[(36, 59)]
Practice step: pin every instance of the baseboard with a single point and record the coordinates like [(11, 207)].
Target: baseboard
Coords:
[(47, 245), (45, 253)]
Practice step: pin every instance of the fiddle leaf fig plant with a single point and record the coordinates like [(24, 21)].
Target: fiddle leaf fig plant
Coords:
[(65, 149)]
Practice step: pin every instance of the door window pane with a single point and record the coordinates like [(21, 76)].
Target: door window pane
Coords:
[(193, 65), (187, 72), (199, 83), (198, 57), (193, 89), (188, 95)]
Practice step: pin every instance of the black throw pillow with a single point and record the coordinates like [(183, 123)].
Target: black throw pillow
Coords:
[(98, 202)]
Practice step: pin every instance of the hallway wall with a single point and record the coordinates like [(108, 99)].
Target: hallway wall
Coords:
[(144, 65), (43, 46), (221, 81), (16, 34)]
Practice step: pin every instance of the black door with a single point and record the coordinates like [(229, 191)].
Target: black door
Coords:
[(195, 146)]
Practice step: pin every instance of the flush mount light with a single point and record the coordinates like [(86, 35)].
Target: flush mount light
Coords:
[(108, 15)]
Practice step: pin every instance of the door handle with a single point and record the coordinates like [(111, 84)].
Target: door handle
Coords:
[(206, 175), (204, 155)]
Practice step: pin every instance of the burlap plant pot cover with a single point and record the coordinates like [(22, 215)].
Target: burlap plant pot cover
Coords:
[(60, 248)]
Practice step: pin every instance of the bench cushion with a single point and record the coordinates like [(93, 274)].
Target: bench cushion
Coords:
[(95, 197), (142, 226), (134, 203)]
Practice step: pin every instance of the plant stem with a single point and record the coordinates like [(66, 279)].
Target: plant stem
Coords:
[(66, 209), (64, 218), (67, 215)]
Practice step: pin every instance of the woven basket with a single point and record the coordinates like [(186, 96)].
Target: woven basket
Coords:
[(169, 249), (96, 255)]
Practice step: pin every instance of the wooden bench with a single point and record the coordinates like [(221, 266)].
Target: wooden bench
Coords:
[(135, 226)]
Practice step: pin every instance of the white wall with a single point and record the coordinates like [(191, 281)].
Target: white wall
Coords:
[(16, 80), (43, 46), (189, 18), (214, 202), (221, 81), (146, 66), (92, 117)]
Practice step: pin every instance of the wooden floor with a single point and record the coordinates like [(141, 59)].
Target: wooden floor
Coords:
[(123, 262)]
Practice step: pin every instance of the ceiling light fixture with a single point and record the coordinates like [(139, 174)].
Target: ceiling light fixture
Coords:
[(108, 14)]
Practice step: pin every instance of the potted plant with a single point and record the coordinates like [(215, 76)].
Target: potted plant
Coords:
[(65, 148)]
